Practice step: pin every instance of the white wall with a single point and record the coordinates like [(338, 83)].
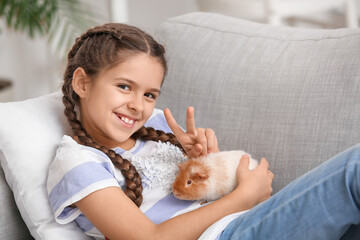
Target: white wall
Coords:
[(33, 65), (28, 63), (36, 70), (148, 15)]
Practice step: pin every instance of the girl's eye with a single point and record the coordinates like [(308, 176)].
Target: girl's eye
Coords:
[(125, 87), (188, 182), (150, 95)]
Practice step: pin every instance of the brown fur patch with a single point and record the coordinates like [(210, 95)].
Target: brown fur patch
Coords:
[(190, 170)]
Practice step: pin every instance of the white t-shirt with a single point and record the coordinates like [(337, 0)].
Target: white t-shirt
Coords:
[(79, 170)]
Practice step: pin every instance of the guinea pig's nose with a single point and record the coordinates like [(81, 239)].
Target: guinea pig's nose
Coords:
[(175, 192)]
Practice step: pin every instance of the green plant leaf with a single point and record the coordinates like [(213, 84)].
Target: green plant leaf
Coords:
[(60, 20)]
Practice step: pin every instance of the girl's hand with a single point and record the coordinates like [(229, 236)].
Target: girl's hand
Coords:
[(195, 141), (254, 185)]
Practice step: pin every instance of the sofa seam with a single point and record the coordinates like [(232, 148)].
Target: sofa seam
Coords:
[(258, 36)]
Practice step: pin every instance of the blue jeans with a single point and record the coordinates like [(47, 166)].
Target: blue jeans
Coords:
[(323, 204)]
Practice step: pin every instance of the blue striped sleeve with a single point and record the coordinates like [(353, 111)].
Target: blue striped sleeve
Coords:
[(76, 184)]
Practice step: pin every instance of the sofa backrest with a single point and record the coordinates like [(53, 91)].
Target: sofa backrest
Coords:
[(288, 94)]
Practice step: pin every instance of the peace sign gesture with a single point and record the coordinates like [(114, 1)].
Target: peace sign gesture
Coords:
[(195, 141)]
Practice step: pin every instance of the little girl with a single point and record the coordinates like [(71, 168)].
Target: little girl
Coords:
[(113, 175)]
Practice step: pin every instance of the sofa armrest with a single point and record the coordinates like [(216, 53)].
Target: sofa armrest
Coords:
[(12, 225)]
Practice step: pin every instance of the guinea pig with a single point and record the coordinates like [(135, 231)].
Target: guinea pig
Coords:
[(208, 178)]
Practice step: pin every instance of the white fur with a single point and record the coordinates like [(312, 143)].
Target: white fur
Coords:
[(220, 164)]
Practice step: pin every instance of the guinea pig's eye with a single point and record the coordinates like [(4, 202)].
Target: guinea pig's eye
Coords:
[(188, 182)]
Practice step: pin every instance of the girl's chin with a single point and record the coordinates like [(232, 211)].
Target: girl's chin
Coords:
[(124, 136)]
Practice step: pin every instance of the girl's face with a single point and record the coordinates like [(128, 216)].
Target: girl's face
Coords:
[(120, 100)]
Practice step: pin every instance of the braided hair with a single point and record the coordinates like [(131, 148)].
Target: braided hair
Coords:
[(100, 48)]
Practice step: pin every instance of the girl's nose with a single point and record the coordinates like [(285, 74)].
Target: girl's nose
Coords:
[(136, 103)]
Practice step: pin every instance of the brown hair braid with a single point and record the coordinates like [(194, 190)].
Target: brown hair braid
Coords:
[(149, 133), (101, 48)]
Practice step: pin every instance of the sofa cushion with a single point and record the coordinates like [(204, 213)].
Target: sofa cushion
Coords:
[(29, 135), (288, 94)]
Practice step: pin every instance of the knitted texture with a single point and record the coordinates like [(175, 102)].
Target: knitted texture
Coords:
[(159, 169)]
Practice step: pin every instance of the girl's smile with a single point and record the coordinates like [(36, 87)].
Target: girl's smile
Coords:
[(119, 100), (126, 120)]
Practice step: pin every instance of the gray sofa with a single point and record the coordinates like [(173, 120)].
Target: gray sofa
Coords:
[(290, 95)]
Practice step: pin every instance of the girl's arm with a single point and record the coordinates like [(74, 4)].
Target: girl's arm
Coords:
[(117, 217)]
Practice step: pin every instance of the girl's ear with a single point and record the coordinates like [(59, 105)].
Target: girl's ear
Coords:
[(80, 82)]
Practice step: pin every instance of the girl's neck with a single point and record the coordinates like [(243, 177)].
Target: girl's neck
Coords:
[(127, 145)]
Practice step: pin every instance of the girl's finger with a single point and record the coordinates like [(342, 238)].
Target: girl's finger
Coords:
[(244, 162), (198, 149), (195, 151), (190, 121), (172, 123), (264, 163), (271, 174), (212, 144), (201, 139)]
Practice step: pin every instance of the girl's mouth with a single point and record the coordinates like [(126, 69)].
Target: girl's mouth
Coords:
[(126, 121)]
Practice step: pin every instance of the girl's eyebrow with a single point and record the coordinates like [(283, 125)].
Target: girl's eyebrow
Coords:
[(136, 84)]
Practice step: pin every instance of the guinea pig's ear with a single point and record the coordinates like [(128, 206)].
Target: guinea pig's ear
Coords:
[(200, 176), (181, 166)]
